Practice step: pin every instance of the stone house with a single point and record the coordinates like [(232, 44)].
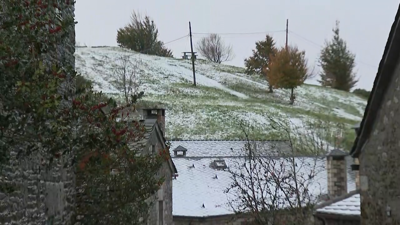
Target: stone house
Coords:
[(153, 120), (199, 196), (161, 210), (376, 148)]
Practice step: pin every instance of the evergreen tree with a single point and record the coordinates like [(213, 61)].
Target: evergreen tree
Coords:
[(258, 63), (288, 69), (141, 35), (362, 93), (337, 64)]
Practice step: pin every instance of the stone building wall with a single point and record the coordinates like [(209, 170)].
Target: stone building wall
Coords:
[(163, 196), (40, 195), (380, 162)]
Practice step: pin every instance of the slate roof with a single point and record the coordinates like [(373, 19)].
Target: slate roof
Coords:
[(382, 82), (226, 148), (347, 205), (197, 185)]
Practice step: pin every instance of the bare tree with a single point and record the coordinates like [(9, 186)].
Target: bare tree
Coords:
[(214, 49), (126, 72), (276, 184)]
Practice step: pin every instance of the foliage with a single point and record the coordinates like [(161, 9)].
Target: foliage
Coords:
[(258, 62), (46, 114), (141, 35), (362, 93), (214, 49), (337, 64), (274, 184), (287, 69)]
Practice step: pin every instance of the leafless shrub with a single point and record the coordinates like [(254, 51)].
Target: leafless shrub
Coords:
[(214, 49), (279, 184), (126, 72)]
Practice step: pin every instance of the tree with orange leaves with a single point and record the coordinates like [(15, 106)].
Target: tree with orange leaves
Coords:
[(288, 69)]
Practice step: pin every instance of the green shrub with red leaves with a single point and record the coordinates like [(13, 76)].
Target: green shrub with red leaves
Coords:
[(45, 112)]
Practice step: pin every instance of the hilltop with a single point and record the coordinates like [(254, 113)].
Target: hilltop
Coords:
[(224, 95)]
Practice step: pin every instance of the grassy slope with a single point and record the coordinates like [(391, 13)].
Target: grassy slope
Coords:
[(224, 96)]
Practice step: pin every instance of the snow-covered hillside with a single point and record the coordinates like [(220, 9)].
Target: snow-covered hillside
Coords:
[(224, 95)]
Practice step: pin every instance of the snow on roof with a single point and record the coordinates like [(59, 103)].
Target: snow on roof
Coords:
[(198, 183), (347, 206), (224, 148)]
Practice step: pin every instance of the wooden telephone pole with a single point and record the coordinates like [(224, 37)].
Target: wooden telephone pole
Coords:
[(287, 33), (191, 47)]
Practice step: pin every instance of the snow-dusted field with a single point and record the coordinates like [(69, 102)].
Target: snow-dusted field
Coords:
[(223, 97)]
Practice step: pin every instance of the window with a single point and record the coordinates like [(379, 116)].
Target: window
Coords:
[(153, 149), (220, 164), (160, 212)]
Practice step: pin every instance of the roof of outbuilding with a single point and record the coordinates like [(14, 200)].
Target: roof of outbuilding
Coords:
[(346, 205)]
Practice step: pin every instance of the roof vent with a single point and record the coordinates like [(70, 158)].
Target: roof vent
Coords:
[(219, 164), (180, 151)]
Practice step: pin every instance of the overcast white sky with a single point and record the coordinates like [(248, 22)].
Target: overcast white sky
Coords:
[(364, 24)]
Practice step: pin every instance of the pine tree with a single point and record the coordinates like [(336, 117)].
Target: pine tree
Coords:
[(141, 35), (258, 63), (288, 69), (337, 64)]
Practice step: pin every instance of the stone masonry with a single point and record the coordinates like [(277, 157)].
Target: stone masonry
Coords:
[(380, 162), (41, 194), (337, 173)]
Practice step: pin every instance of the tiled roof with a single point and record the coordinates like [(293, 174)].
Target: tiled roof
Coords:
[(348, 206)]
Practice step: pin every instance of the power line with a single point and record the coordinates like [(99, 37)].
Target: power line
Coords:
[(166, 43), (321, 46), (241, 33), (176, 39)]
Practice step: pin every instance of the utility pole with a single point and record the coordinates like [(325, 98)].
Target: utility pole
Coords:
[(287, 33), (191, 47)]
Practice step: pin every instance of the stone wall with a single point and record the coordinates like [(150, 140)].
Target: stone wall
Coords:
[(40, 194), (380, 162)]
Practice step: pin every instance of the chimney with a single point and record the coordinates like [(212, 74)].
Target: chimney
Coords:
[(157, 114), (337, 173), (356, 128)]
